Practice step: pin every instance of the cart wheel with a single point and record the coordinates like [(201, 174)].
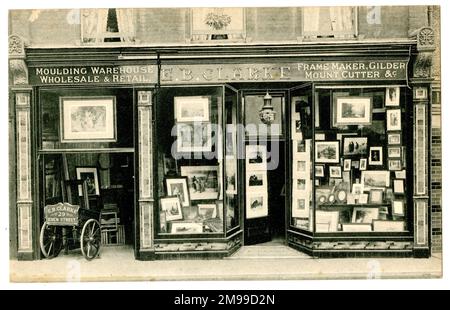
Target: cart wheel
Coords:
[(50, 240), (90, 239)]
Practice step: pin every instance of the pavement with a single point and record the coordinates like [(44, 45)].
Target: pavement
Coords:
[(118, 264)]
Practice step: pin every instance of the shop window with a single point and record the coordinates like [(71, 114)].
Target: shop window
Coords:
[(107, 25), (329, 22), (218, 24), (350, 160)]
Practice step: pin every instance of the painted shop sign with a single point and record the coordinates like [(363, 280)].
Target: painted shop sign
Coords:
[(61, 214), (224, 73)]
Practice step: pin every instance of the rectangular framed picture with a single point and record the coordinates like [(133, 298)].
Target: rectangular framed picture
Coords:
[(335, 172), (356, 227), (186, 228), (257, 181), (392, 96), (194, 137), (374, 179), (352, 111), (347, 164), (364, 215), (399, 186), (172, 207), (88, 119), (398, 207), (355, 146), (400, 174), (191, 109), (394, 152), (319, 171), (393, 119), (300, 205), (327, 221), (420, 93), (256, 157), (327, 152), (300, 167), (90, 175), (257, 205), (300, 184), (203, 181), (177, 186), (363, 164), (383, 225), (376, 196), (207, 211), (394, 138), (357, 189), (395, 164), (376, 156)]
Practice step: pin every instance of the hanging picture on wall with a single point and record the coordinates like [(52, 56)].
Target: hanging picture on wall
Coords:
[(300, 205), (395, 164), (327, 152), (335, 172), (202, 181), (355, 146), (393, 119), (352, 111), (373, 179), (376, 156), (178, 187), (257, 181), (319, 171), (186, 228), (364, 215), (363, 164), (88, 119), (392, 96), (256, 157), (90, 175), (194, 137), (256, 205), (172, 207), (394, 138), (191, 109)]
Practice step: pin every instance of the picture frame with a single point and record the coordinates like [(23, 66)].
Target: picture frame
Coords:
[(376, 156), (326, 152), (398, 207), (177, 186), (364, 215), (256, 157), (357, 189), (394, 152), (356, 227), (319, 136), (376, 196), (300, 205), (355, 146), (191, 108), (88, 119), (388, 226), (194, 137), (300, 167), (90, 174), (395, 164), (203, 181), (363, 164), (393, 119), (341, 196), (257, 205), (352, 110), (400, 174), (300, 184), (347, 164), (394, 138), (298, 147), (420, 93), (335, 172), (171, 205), (257, 181), (327, 221), (399, 186), (363, 199), (207, 211), (392, 96), (319, 171), (186, 228), (375, 179)]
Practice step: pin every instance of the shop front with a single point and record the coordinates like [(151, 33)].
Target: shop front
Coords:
[(201, 151)]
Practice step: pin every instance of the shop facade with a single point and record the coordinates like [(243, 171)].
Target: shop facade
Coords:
[(202, 150)]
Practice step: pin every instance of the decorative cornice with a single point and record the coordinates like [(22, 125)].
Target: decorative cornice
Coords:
[(17, 66), (422, 65), (425, 39), (16, 47)]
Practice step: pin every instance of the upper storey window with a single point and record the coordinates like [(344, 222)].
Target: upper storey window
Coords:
[(107, 25), (329, 22)]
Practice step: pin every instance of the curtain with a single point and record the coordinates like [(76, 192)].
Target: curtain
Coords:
[(311, 19), (341, 18), (102, 21), (125, 24)]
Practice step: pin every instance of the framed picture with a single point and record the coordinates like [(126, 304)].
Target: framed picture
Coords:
[(352, 111), (256, 157), (191, 109), (400, 174), (376, 196), (364, 215), (395, 164), (356, 227), (347, 164), (392, 96), (319, 136), (319, 171), (355, 146), (170, 165), (172, 207), (177, 186), (88, 119), (327, 152), (257, 205), (363, 198), (298, 147), (90, 175), (420, 93), (376, 156), (363, 164), (186, 228), (335, 172), (327, 221), (357, 189), (394, 138), (207, 211), (341, 196), (398, 207), (383, 225), (300, 184), (194, 137), (257, 181), (399, 187), (374, 179), (202, 181), (300, 206), (340, 136), (394, 152), (393, 119), (300, 167), (296, 129)]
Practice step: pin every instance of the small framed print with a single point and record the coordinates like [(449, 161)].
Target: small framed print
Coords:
[(327, 152), (300, 184), (356, 227), (363, 198), (395, 164), (355, 146), (398, 207), (400, 174), (420, 93), (186, 228), (319, 171), (191, 109), (376, 156), (172, 207), (300, 167), (364, 215), (352, 111), (376, 196), (363, 164), (300, 206), (297, 129), (298, 147), (347, 164), (388, 226), (257, 181), (392, 96), (256, 157), (394, 152), (357, 189), (177, 186), (341, 196), (207, 211), (335, 172), (90, 175), (194, 137), (399, 187), (393, 119), (257, 205), (375, 179), (394, 138), (319, 137)]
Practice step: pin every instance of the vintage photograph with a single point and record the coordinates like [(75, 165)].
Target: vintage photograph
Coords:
[(90, 175), (319, 171), (335, 172), (194, 137), (171, 206), (85, 119), (376, 156), (355, 146), (178, 187), (192, 109), (352, 111), (327, 152), (375, 179), (202, 181), (393, 119), (257, 181), (256, 157), (256, 205), (392, 96)]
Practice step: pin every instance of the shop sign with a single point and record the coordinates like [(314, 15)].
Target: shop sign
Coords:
[(61, 214), (130, 74)]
